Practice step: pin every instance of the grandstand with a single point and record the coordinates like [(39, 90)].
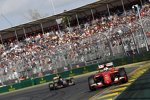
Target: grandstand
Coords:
[(96, 32)]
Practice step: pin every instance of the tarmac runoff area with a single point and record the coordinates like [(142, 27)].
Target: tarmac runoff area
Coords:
[(130, 90), (80, 91)]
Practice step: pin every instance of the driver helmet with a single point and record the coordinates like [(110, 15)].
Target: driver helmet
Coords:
[(105, 67)]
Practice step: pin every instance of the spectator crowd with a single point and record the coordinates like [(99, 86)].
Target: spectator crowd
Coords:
[(55, 51)]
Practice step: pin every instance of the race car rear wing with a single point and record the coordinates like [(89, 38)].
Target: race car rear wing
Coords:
[(110, 64), (101, 67)]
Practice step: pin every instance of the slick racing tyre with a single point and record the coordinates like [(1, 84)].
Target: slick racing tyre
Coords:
[(123, 75), (55, 86), (51, 86), (72, 81), (90, 83)]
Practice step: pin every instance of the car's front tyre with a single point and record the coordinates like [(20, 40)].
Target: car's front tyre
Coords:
[(51, 86), (123, 75), (91, 83)]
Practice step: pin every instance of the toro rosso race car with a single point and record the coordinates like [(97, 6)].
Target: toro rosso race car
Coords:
[(59, 82), (106, 76)]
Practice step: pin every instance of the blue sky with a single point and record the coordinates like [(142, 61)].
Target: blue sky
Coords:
[(16, 12)]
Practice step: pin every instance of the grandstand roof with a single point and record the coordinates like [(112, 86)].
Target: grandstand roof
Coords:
[(67, 13)]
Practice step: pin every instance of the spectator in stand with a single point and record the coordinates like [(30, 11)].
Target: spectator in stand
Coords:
[(39, 53)]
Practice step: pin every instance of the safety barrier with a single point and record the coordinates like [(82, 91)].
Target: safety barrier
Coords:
[(44, 79), (10, 88), (74, 72), (26, 83), (4, 89)]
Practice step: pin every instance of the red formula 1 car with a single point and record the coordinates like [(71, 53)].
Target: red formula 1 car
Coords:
[(106, 76)]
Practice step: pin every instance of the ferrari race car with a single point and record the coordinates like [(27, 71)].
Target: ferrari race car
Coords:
[(106, 76), (59, 82)]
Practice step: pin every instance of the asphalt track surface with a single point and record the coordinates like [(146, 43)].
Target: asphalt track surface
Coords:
[(80, 91)]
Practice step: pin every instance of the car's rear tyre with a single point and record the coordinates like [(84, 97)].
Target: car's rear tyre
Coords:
[(55, 85), (65, 83), (122, 73), (72, 81), (91, 82)]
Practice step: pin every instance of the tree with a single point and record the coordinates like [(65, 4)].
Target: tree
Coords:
[(66, 20)]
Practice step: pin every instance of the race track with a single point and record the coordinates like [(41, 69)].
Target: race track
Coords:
[(80, 91)]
